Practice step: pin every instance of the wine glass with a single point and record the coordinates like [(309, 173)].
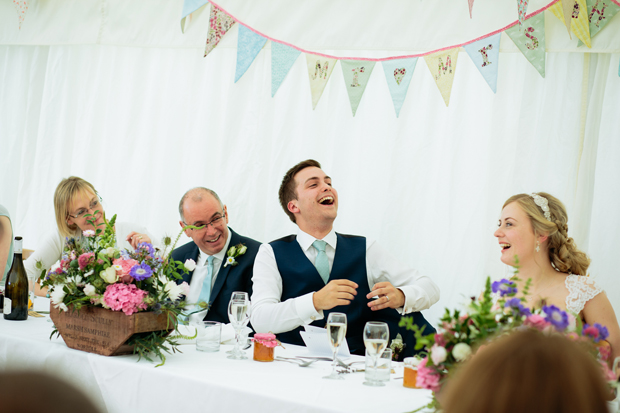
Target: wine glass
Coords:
[(376, 335), (336, 332), (239, 316)]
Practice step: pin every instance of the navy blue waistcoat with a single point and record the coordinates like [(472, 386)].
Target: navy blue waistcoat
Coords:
[(300, 277)]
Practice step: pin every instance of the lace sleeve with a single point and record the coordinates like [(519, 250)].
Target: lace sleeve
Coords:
[(581, 289)]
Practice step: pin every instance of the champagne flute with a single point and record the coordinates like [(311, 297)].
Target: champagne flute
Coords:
[(239, 316), (336, 332), (376, 335)]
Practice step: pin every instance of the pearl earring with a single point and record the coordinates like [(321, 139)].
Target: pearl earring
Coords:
[(537, 246)]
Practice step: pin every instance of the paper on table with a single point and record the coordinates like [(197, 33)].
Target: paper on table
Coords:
[(317, 343)]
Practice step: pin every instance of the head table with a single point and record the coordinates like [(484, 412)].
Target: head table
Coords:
[(197, 381)]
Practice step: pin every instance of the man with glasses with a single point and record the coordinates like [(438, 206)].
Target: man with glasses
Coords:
[(224, 259), (300, 279)]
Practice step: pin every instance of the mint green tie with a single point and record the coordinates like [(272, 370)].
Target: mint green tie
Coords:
[(321, 263), (205, 292)]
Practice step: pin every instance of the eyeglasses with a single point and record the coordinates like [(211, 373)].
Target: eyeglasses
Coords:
[(215, 221), (82, 211)]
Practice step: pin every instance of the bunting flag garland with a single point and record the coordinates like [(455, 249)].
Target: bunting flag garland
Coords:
[(22, 8), (319, 70), (282, 59), (600, 13), (356, 74), (190, 6), (248, 46), (579, 16), (398, 74), (522, 7), (471, 6), (531, 41), (443, 66), (564, 12), (219, 24), (485, 55)]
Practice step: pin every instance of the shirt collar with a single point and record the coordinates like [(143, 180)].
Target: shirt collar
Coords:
[(305, 240), (202, 257)]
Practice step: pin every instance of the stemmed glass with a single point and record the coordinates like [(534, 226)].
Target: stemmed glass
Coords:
[(376, 335), (239, 316), (336, 332)]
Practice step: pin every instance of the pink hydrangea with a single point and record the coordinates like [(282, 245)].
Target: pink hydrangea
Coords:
[(125, 297), (85, 259), (427, 377), (536, 321)]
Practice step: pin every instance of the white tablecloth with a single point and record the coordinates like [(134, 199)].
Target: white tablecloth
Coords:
[(193, 381)]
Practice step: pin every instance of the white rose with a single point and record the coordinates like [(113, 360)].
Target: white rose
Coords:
[(109, 275), (89, 290), (232, 251), (461, 351), (111, 252), (190, 264), (438, 354), (242, 249)]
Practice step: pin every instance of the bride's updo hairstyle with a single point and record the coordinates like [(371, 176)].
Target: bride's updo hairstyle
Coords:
[(563, 252)]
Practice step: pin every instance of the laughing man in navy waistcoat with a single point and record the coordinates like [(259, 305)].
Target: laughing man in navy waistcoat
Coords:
[(203, 208), (359, 277)]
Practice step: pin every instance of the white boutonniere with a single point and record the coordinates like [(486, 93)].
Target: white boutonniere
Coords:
[(234, 252)]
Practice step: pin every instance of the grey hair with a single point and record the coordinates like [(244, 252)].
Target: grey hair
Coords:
[(196, 195)]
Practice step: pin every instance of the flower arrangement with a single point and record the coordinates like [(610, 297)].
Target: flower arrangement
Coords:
[(461, 334), (234, 252), (93, 272)]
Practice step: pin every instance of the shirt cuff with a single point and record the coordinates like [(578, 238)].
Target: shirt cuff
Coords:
[(305, 309)]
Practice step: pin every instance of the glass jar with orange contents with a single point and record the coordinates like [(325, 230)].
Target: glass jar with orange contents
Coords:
[(411, 372), (264, 346)]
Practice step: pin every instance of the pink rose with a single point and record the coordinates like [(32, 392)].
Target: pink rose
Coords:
[(85, 259), (536, 321), (427, 377), (185, 288), (123, 268)]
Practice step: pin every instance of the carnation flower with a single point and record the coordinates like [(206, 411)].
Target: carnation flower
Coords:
[(190, 264), (141, 272), (461, 351), (438, 354), (125, 297), (556, 317), (88, 233), (86, 259), (427, 378), (504, 287)]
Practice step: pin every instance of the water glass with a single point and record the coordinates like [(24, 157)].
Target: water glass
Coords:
[(383, 369), (209, 335)]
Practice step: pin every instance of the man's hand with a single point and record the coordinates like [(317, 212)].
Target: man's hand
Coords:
[(387, 295), (335, 293)]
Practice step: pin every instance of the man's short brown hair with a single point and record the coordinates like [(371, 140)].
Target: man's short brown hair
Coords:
[(287, 190)]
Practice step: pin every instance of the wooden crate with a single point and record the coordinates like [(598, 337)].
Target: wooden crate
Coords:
[(100, 331)]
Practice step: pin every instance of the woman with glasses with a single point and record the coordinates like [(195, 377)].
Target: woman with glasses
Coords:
[(76, 201)]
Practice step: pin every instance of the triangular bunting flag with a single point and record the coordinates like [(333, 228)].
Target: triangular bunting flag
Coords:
[(22, 8), (485, 55), (471, 6), (190, 6), (564, 12), (319, 70), (356, 74), (248, 46), (219, 24), (282, 59), (443, 66), (398, 74), (600, 13), (579, 16), (522, 8), (531, 41)]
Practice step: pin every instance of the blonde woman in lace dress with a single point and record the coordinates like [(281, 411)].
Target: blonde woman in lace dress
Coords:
[(533, 228)]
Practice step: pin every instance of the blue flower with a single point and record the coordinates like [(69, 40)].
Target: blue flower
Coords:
[(141, 272), (556, 317), (148, 247), (597, 332), (504, 287), (515, 305)]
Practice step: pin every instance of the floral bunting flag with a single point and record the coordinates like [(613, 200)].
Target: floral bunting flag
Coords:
[(319, 70), (219, 24), (600, 12), (190, 6), (398, 74), (248, 45), (471, 6), (531, 41), (485, 55), (443, 66), (282, 59), (22, 8), (522, 8), (356, 74), (579, 16)]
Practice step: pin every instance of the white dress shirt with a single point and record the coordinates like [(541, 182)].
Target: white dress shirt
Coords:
[(270, 314), (198, 277)]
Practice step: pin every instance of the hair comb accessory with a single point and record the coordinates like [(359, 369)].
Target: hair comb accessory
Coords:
[(543, 203)]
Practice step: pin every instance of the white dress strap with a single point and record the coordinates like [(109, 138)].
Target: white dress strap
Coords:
[(581, 289)]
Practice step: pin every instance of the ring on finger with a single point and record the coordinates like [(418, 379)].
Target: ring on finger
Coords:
[(387, 297)]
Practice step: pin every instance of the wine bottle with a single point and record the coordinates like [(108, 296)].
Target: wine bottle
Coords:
[(16, 287)]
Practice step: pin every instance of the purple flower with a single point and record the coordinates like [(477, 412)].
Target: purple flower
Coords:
[(141, 272), (148, 247), (515, 305), (597, 332), (504, 287), (556, 317)]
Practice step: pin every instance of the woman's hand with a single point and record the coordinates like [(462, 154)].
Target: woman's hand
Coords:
[(134, 238)]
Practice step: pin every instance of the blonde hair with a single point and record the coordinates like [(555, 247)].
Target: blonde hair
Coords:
[(66, 191), (563, 252)]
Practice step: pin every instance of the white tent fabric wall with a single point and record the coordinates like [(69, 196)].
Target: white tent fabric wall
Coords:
[(145, 124)]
